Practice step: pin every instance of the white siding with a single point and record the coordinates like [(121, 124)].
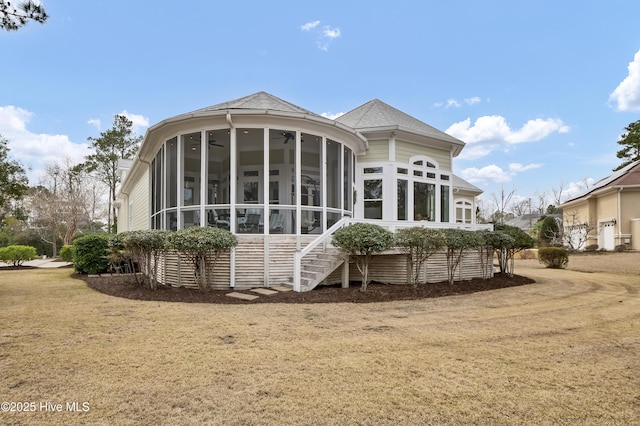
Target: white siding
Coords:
[(406, 150), (139, 201), (378, 152)]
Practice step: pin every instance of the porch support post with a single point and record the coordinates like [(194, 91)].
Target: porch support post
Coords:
[(345, 273)]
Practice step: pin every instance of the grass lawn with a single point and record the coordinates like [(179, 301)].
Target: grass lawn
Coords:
[(565, 350)]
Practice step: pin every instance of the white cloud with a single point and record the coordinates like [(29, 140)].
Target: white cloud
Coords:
[(96, 123), (472, 101), (140, 122), (331, 32), (518, 168), (452, 102), (325, 35), (32, 150), (309, 25), (492, 132), (331, 115), (493, 174), (627, 94), (575, 189)]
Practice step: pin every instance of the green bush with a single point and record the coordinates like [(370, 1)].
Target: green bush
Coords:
[(66, 253), (362, 240), (91, 253), (16, 255), (419, 244), (553, 257), (201, 247)]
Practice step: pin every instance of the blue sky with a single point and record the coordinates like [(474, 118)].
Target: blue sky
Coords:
[(540, 91)]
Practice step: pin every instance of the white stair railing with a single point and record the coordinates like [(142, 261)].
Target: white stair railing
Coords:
[(322, 239)]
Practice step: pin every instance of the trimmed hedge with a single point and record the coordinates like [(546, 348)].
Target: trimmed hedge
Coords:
[(66, 253), (553, 257), (16, 255), (91, 254)]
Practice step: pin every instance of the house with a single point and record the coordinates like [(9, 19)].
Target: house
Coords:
[(607, 215), (283, 179)]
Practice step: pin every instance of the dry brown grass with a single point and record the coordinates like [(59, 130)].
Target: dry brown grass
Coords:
[(565, 350)]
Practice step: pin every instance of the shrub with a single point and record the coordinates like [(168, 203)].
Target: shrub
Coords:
[(91, 253), (201, 247), (144, 248), (66, 253), (16, 255), (553, 257), (507, 248), (362, 240), (620, 248), (419, 244), (457, 241)]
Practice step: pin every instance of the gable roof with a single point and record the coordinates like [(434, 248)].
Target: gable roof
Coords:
[(627, 176), (260, 101), (461, 184), (376, 114)]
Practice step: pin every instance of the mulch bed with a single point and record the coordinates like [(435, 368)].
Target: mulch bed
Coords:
[(125, 287)]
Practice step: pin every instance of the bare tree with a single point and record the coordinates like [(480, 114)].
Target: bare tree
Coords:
[(65, 200), (501, 202), (574, 233), (557, 193), (540, 202), (521, 207)]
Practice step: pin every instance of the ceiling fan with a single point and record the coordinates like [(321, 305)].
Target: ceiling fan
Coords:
[(212, 142), (288, 136)]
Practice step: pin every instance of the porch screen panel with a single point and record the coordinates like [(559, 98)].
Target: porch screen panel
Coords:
[(218, 166), (334, 174), (191, 151), (171, 182), (348, 179)]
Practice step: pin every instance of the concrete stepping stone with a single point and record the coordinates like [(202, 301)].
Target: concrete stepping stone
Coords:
[(264, 291), (242, 296), (281, 288)]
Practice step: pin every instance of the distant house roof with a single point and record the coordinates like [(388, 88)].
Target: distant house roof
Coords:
[(627, 176), (376, 114), (526, 221)]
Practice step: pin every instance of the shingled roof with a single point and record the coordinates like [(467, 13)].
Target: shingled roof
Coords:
[(257, 101), (627, 176), (377, 114)]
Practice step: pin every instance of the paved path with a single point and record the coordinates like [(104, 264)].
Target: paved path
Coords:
[(42, 263)]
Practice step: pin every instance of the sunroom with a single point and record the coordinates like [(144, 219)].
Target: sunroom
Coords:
[(283, 178)]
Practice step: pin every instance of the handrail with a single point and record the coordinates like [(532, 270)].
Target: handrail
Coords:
[(391, 225), (297, 262)]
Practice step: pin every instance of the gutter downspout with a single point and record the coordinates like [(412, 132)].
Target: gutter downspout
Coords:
[(618, 221)]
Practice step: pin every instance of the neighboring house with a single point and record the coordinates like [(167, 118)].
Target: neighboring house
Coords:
[(527, 221), (607, 215), (283, 179)]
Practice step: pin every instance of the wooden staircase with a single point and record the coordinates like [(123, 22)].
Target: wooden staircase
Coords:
[(317, 266)]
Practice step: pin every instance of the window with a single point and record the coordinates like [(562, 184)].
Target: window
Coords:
[(402, 199), (424, 201), (444, 203), (463, 211), (373, 199)]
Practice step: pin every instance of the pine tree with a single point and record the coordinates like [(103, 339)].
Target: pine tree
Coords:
[(12, 17), (631, 143), (112, 145)]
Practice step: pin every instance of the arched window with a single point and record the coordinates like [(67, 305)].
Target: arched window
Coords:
[(464, 211)]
